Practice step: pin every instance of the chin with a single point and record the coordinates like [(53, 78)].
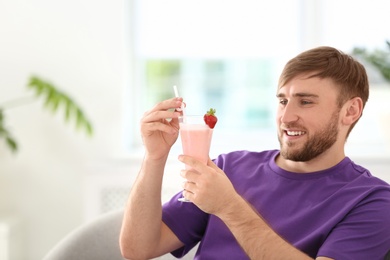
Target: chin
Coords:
[(297, 155)]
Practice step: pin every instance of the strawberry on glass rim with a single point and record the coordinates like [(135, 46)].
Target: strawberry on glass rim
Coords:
[(210, 119)]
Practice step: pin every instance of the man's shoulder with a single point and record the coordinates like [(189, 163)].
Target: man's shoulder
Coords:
[(364, 176)]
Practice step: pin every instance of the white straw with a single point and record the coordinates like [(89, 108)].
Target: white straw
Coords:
[(176, 92), (182, 105)]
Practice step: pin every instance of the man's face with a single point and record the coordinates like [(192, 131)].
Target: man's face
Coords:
[(307, 118)]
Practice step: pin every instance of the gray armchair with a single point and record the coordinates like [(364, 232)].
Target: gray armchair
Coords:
[(96, 240)]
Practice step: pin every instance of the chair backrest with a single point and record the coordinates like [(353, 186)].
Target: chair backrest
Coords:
[(387, 257), (96, 240)]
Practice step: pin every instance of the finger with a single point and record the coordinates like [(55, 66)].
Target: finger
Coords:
[(180, 109), (192, 162), (187, 195), (188, 185), (183, 173), (160, 115), (151, 127), (172, 103), (166, 105), (186, 174)]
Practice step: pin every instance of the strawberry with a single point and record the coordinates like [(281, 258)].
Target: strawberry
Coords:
[(210, 119)]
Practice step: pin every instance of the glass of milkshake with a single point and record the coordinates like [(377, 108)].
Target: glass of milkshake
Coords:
[(195, 138)]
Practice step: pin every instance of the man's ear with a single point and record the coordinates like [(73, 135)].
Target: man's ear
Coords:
[(353, 109)]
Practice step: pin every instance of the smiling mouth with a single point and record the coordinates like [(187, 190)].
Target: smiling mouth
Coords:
[(295, 133)]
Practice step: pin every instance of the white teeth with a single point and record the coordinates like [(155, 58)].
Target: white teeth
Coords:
[(295, 133)]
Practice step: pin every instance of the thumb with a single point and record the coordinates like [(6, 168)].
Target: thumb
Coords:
[(211, 164)]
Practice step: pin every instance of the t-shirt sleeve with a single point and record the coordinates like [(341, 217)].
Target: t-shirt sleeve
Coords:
[(186, 220), (364, 233)]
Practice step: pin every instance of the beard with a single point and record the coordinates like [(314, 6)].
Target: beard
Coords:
[(317, 143)]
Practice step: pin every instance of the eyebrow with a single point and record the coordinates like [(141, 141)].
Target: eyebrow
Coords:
[(299, 94)]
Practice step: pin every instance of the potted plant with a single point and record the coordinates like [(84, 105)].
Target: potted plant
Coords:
[(54, 99), (378, 58)]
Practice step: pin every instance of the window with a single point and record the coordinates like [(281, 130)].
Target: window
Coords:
[(228, 55), (220, 54), (217, 83)]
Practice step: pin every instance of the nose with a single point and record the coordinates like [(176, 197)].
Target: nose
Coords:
[(288, 114)]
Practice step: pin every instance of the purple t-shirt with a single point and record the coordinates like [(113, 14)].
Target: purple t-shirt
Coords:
[(342, 212)]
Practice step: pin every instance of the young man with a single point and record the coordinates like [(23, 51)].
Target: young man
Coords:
[(304, 201)]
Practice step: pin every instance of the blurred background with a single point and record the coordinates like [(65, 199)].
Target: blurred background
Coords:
[(116, 59)]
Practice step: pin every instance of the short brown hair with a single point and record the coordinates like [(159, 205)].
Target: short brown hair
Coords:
[(327, 62)]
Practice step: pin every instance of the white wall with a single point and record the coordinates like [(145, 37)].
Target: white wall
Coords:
[(79, 45)]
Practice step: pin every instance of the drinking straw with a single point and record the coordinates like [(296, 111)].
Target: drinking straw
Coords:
[(182, 105)]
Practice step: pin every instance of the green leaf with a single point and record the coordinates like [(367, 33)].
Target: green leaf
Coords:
[(89, 128), (4, 134), (55, 103), (3, 130), (11, 144), (1, 116), (68, 110), (79, 118), (48, 97), (54, 98)]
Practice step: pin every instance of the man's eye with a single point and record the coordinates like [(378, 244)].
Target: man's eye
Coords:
[(283, 101), (306, 102)]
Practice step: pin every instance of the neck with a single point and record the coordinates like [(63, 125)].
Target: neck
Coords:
[(326, 160)]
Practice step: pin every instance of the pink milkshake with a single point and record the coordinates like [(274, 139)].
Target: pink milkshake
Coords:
[(196, 137), (196, 140)]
